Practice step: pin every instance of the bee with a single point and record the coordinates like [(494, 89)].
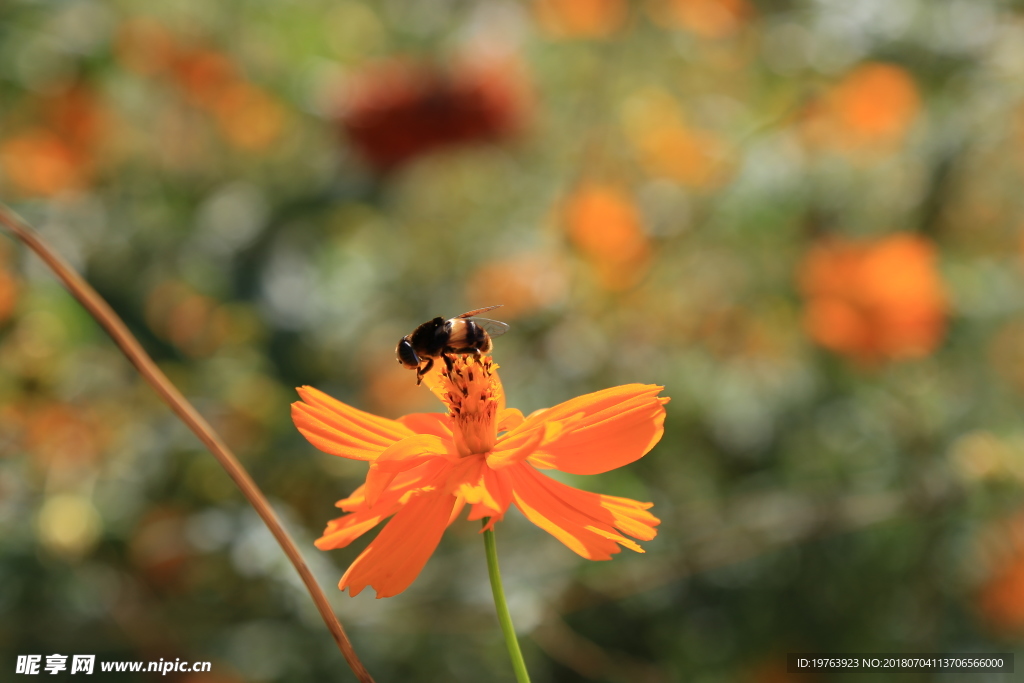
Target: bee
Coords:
[(440, 338)]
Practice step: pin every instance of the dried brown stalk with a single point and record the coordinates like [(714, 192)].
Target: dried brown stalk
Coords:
[(109, 320)]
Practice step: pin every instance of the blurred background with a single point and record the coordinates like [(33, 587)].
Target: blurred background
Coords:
[(803, 217)]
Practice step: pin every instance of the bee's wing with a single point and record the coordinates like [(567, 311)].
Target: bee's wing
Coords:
[(495, 328), (470, 314)]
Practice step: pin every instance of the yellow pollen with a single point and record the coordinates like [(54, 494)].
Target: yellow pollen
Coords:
[(471, 393)]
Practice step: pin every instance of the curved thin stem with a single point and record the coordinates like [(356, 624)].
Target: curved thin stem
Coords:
[(105, 316), (504, 618)]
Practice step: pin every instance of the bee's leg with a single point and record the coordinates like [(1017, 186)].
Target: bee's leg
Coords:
[(424, 370), (448, 362)]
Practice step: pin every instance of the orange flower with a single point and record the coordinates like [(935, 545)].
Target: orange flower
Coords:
[(61, 149), (38, 163), (145, 46), (691, 157), (581, 18), (249, 117), (194, 323), (426, 467), (874, 300), (8, 290), (64, 436), (606, 226), (1000, 598), (874, 106), (203, 74), (668, 146), (706, 18), (525, 283)]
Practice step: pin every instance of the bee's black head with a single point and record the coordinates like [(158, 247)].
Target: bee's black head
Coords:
[(407, 354)]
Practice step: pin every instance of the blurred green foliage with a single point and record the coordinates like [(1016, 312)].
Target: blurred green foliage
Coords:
[(273, 194)]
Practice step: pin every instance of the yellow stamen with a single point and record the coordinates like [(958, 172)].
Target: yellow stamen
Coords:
[(472, 393)]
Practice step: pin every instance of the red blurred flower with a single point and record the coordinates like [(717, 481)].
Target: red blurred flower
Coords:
[(398, 111)]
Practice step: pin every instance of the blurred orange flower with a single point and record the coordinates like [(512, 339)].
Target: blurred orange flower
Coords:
[(145, 46), (202, 74), (196, 324), (1000, 599), (706, 18), (9, 288), (59, 151), (524, 283), (874, 300), (61, 435), (398, 111), (581, 18), (386, 386), (77, 115), (873, 105), (668, 146), (158, 546), (248, 116), (690, 157), (605, 224), (37, 162), (426, 467)]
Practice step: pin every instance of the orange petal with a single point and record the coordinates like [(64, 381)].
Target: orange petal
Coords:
[(405, 455), (509, 418), (590, 403), (608, 429), (413, 450), (343, 530), (480, 511), (510, 451), (438, 424), (339, 429), (395, 558), (416, 478), (487, 490), (585, 522), (460, 504)]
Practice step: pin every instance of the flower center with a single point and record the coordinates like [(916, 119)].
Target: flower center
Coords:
[(471, 391)]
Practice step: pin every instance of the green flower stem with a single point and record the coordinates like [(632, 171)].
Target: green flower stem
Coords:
[(514, 653)]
